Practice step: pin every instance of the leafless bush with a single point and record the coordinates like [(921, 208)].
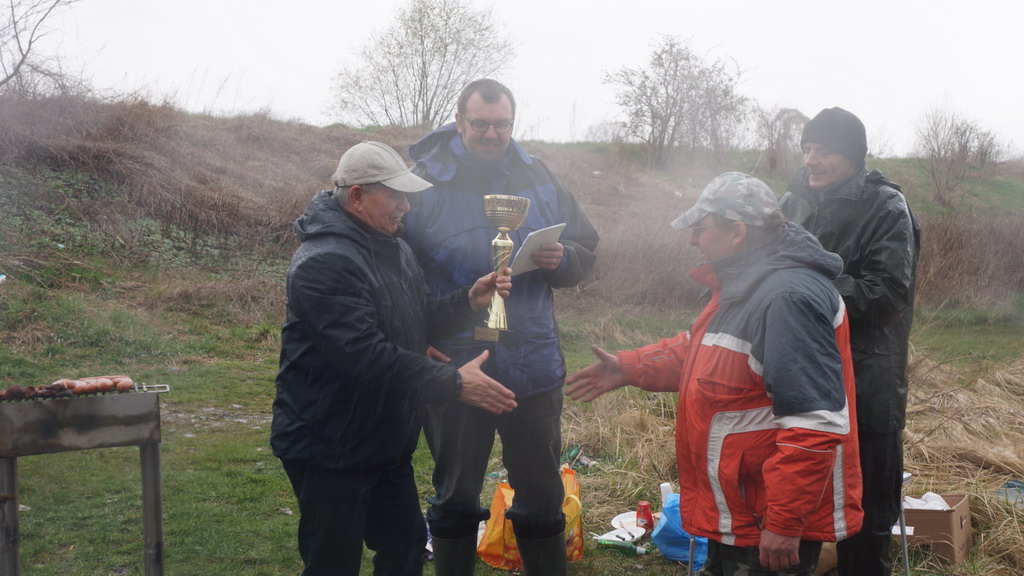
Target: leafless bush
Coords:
[(971, 260), (951, 145)]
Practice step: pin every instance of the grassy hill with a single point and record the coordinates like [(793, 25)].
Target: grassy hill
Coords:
[(140, 239)]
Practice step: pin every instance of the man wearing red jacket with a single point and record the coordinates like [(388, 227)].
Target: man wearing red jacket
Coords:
[(766, 437)]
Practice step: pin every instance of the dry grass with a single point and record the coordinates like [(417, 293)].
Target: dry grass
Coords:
[(632, 436), (248, 297), (248, 175), (959, 439), (970, 439)]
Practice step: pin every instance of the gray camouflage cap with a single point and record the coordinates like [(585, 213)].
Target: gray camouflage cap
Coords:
[(733, 195)]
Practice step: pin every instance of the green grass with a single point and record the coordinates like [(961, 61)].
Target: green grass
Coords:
[(969, 339)]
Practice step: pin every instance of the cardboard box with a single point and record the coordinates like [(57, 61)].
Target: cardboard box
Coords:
[(947, 532)]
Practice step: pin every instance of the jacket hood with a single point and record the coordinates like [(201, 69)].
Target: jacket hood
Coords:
[(439, 153), (791, 247), (324, 217)]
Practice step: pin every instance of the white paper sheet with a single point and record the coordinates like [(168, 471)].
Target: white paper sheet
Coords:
[(534, 240)]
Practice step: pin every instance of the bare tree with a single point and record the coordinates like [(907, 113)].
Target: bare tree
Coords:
[(678, 101), (21, 29), (411, 74), (778, 133), (951, 145), (988, 149)]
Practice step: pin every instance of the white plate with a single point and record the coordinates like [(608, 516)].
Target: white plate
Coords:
[(622, 534), (626, 520)]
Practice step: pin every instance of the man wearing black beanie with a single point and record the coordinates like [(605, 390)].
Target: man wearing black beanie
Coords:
[(864, 218)]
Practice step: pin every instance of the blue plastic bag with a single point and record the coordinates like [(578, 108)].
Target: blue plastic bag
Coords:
[(673, 541)]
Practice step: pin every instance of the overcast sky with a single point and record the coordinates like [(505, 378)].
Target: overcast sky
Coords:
[(887, 61)]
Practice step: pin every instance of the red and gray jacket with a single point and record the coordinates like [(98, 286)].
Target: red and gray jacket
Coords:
[(766, 429)]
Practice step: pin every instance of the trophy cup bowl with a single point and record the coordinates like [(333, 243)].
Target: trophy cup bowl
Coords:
[(506, 213)]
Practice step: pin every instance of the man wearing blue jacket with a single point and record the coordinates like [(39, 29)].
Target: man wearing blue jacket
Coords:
[(353, 370), (466, 160)]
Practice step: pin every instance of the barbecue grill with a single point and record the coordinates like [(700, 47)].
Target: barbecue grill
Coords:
[(50, 425)]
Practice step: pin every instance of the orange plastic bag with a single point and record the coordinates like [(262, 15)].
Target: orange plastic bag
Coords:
[(498, 545), (572, 507)]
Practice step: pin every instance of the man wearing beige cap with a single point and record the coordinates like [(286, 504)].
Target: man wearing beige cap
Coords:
[(353, 370), (766, 437)]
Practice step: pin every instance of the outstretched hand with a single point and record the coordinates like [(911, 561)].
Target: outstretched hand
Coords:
[(485, 287), (482, 391), (594, 380)]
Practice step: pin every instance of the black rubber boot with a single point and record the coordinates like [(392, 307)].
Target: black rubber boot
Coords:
[(454, 557), (544, 556)]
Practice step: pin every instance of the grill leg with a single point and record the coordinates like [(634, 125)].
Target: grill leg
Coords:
[(152, 509), (9, 538)]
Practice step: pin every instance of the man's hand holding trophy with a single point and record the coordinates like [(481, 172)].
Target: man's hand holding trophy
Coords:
[(506, 213)]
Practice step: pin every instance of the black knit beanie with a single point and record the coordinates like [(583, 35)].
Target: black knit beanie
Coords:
[(839, 130)]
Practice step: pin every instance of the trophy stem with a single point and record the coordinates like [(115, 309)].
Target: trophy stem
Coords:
[(504, 213), (501, 254)]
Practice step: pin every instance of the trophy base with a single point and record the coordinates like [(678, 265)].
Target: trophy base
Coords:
[(485, 334)]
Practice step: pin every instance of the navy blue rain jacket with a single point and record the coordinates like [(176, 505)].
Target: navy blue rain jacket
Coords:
[(447, 230)]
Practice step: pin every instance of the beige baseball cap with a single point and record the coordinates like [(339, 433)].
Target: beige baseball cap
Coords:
[(371, 162)]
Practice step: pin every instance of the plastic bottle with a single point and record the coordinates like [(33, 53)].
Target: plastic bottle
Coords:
[(644, 518), (625, 547), (666, 491)]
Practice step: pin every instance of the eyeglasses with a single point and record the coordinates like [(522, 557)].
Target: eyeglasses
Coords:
[(481, 126)]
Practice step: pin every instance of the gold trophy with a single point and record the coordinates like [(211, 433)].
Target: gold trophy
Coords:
[(506, 213)]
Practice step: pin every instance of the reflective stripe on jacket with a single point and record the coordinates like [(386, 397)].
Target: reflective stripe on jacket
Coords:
[(766, 432)]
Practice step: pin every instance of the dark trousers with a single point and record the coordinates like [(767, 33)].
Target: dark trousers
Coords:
[(725, 560), (868, 553), (341, 509), (460, 438)]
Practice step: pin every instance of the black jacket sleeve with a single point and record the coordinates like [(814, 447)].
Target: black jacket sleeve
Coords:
[(333, 294)]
